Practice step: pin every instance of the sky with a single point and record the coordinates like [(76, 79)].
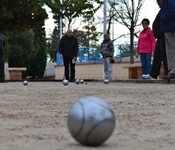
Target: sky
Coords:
[(149, 10)]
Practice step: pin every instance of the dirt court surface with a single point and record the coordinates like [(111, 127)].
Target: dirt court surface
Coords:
[(34, 117)]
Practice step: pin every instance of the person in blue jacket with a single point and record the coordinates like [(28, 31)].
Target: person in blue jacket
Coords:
[(168, 27)]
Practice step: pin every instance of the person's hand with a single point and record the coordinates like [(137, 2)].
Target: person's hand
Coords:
[(75, 58), (152, 54), (61, 56)]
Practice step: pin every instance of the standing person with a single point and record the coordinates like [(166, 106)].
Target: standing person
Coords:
[(160, 51), (2, 45), (107, 51), (168, 27), (145, 47), (68, 49)]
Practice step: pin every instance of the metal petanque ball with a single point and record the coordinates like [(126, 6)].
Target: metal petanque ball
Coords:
[(65, 82), (77, 81), (81, 81), (106, 81), (25, 82), (91, 121)]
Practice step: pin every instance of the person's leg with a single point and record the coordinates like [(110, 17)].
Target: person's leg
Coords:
[(105, 68), (72, 67), (155, 69), (143, 63), (109, 68), (163, 55), (66, 67), (170, 51), (148, 63), (2, 73)]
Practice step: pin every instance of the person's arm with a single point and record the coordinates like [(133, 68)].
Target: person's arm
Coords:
[(169, 10), (111, 49), (153, 41), (61, 46), (76, 49), (138, 49)]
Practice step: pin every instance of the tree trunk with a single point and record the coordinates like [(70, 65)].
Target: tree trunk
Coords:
[(132, 43)]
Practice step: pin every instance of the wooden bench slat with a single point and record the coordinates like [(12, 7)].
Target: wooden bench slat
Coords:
[(132, 66), (16, 68)]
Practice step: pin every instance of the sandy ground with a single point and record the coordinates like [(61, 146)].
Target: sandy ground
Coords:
[(34, 117)]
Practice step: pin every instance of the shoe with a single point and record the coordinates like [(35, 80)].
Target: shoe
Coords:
[(150, 78), (169, 76), (3, 81), (72, 80), (144, 76)]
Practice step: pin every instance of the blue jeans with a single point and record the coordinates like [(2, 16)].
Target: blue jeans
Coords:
[(107, 68), (145, 62)]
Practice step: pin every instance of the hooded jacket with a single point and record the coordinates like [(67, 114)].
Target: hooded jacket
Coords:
[(146, 41)]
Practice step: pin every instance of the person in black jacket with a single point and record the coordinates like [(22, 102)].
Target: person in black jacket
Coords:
[(2, 45), (68, 49), (160, 50)]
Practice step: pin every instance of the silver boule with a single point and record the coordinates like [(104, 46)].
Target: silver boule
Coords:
[(77, 81), (91, 121), (65, 82), (81, 81), (25, 82)]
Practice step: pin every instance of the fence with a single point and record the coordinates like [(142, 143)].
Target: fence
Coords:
[(92, 55)]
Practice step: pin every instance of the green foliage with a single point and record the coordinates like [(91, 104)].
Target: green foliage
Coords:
[(27, 49), (91, 31), (86, 38), (53, 44), (71, 9), (21, 21), (125, 49), (21, 15), (82, 37), (20, 48), (38, 62)]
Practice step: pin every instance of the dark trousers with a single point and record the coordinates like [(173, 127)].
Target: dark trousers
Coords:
[(2, 74), (159, 57), (69, 70)]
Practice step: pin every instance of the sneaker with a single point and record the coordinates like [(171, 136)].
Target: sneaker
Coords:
[(144, 76), (149, 77)]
